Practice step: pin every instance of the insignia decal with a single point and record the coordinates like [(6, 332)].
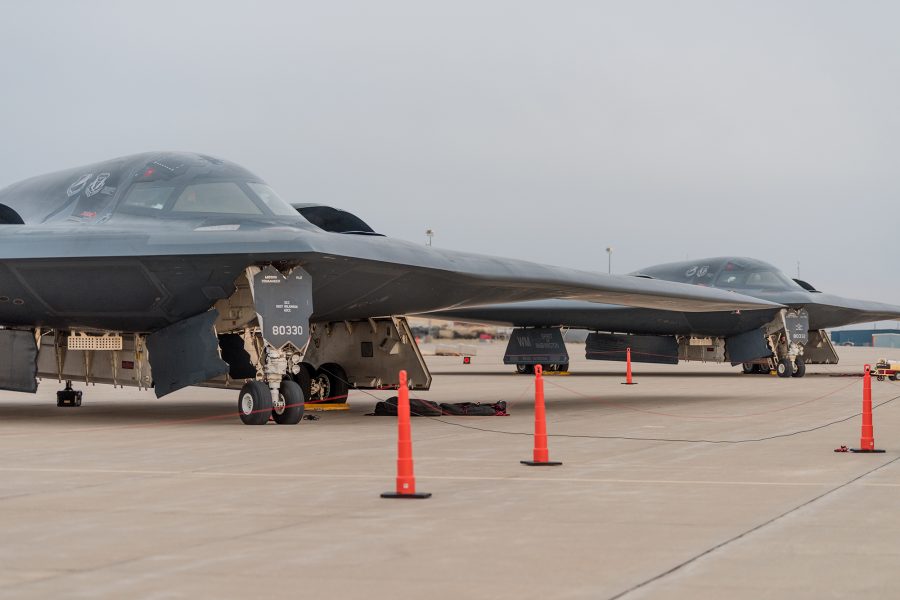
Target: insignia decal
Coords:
[(78, 185), (96, 185)]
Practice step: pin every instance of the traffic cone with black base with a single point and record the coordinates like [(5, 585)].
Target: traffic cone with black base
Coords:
[(628, 380), (867, 436), (406, 480), (541, 453)]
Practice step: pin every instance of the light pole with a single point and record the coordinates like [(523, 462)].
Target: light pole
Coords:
[(609, 259), (429, 233)]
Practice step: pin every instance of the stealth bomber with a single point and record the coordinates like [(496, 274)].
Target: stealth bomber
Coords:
[(784, 339), (165, 270)]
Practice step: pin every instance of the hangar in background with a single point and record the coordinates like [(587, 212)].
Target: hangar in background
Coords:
[(880, 338)]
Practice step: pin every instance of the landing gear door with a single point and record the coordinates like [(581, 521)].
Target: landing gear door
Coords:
[(283, 305), (539, 346), (796, 324)]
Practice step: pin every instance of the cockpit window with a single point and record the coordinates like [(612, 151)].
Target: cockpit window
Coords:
[(148, 196), (753, 280), (701, 273), (219, 197), (272, 200)]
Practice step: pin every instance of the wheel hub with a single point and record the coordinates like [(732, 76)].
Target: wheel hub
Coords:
[(321, 387), (279, 406), (247, 404)]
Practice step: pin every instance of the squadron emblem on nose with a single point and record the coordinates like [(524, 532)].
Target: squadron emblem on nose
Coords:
[(79, 184), (96, 185)]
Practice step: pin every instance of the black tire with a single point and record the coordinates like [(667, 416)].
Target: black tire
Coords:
[(255, 403), (564, 368), (304, 379), (785, 368), (749, 368), (799, 368), (294, 399), (329, 385), (525, 369)]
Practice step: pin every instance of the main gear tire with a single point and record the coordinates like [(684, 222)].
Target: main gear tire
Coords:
[(329, 385)]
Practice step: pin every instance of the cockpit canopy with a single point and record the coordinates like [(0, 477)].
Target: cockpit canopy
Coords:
[(161, 185), (730, 273)]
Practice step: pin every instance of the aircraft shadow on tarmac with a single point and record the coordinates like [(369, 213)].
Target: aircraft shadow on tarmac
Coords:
[(137, 414), (215, 413), (583, 374), (636, 372)]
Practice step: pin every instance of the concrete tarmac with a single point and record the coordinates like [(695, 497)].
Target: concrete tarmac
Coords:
[(662, 493)]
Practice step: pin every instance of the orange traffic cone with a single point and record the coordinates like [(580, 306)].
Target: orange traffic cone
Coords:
[(867, 436), (406, 480), (541, 453), (628, 380)]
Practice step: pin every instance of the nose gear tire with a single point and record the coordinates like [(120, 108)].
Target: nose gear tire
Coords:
[(294, 403), (255, 403), (785, 368)]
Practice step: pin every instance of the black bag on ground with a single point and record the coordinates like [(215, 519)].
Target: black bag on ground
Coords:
[(417, 408), (474, 409)]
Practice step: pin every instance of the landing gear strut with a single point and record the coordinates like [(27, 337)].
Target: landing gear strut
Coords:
[(68, 396)]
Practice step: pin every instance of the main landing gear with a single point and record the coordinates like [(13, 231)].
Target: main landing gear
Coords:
[(328, 384), (68, 396)]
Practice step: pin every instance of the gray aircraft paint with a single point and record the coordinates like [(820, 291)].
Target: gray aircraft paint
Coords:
[(101, 262), (823, 310)]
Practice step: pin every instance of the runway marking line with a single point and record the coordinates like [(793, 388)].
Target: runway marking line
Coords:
[(429, 477)]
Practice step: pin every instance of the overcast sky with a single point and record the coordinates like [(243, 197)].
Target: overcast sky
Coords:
[(541, 130)]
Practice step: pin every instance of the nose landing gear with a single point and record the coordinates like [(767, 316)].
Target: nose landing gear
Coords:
[(785, 368)]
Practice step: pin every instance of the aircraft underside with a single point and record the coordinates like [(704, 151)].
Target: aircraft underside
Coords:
[(258, 340), (784, 345)]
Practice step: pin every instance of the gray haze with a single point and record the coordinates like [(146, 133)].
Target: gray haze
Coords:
[(542, 130)]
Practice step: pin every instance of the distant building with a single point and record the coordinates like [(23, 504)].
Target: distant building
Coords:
[(881, 338)]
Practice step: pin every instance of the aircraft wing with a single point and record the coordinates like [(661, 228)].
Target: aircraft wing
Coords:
[(579, 314), (353, 276), (828, 310)]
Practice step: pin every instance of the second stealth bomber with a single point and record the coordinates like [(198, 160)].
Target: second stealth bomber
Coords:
[(784, 339)]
